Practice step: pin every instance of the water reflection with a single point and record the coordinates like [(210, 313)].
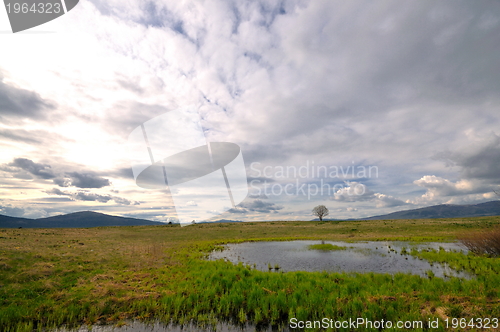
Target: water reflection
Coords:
[(361, 257), (136, 326)]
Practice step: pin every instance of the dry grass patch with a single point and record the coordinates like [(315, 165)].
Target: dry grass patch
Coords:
[(483, 242)]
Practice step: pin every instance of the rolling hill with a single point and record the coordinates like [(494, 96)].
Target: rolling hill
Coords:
[(445, 211), (438, 211), (82, 219), (86, 219)]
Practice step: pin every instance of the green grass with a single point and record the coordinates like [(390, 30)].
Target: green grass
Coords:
[(325, 247), (54, 277)]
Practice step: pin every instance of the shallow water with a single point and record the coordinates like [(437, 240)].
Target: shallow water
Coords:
[(136, 326), (361, 257)]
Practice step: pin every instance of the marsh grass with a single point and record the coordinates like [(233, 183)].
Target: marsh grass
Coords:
[(325, 247), (482, 242), (48, 279)]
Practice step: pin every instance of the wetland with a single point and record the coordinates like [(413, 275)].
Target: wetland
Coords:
[(111, 276)]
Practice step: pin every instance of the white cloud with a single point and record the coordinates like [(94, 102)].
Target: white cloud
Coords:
[(358, 192), (478, 168), (440, 190)]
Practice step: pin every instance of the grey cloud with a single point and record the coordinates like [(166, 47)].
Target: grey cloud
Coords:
[(82, 180), (337, 77), (259, 196), (238, 210), (20, 103), (357, 192), (57, 191), (124, 172), (124, 201), (148, 13), (19, 136), (478, 168), (43, 171), (31, 212), (87, 196), (479, 161), (32, 137), (128, 115), (388, 83), (54, 199), (258, 205), (131, 85), (438, 187), (260, 179), (383, 200), (12, 211), (92, 197)]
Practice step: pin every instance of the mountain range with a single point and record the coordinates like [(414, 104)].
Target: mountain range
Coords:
[(440, 211), (445, 211), (94, 219), (72, 220)]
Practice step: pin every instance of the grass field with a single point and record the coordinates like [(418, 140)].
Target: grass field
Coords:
[(54, 277)]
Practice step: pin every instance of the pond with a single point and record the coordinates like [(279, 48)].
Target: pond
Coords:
[(361, 257)]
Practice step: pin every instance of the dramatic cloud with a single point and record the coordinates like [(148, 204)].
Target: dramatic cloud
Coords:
[(91, 197), (438, 186), (478, 161), (398, 84), (256, 205), (42, 171), (45, 171), (82, 180), (358, 192), (440, 190), (18, 103), (478, 165)]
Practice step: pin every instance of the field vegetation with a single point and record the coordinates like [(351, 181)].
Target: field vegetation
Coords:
[(483, 242), (326, 247), (55, 277)]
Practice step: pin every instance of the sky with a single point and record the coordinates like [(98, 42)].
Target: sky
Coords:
[(364, 107)]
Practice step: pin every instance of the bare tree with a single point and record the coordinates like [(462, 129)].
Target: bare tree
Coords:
[(320, 211)]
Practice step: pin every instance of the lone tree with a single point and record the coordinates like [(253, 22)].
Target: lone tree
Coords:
[(320, 211)]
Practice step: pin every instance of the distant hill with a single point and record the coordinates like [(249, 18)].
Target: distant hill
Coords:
[(82, 219), (445, 211), (86, 219), (10, 222), (219, 221), (439, 211)]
